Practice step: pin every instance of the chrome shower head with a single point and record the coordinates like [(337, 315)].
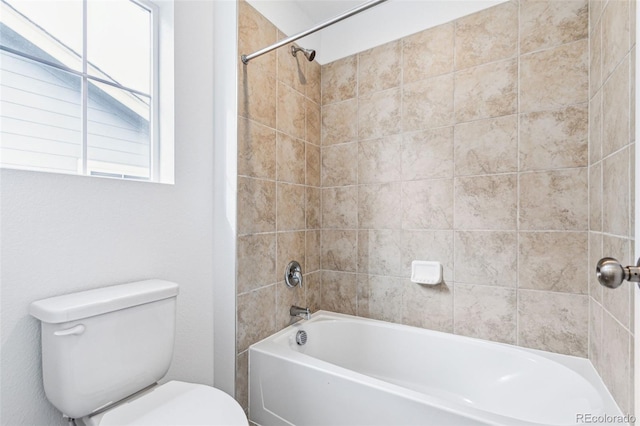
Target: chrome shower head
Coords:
[(310, 54)]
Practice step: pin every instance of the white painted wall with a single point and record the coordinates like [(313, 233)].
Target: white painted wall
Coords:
[(386, 22), (61, 234)]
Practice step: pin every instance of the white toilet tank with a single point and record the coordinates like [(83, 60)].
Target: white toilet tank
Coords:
[(100, 346)]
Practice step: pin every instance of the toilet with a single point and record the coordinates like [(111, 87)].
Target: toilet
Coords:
[(104, 351)]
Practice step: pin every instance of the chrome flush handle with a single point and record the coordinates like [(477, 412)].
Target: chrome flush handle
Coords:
[(612, 274)]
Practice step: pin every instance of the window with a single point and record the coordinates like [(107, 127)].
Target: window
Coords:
[(79, 87)]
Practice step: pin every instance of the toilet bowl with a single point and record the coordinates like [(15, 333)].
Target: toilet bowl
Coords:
[(104, 351), (173, 403)]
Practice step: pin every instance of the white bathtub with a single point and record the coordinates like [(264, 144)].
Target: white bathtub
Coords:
[(356, 371)]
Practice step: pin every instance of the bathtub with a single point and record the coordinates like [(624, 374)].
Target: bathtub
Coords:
[(356, 371)]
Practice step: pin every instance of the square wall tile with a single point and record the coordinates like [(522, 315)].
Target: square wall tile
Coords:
[(553, 261), (379, 160), (339, 292), (485, 91), (380, 252), (313, 86), (595, 128), (487, 258), (615, 34), (313, 122), (554, 78), (256, 205), (257, 93), (340, 208), (291, 246), (554, 139), (382, 297), (428, 306), (291, 207), (556, 322), (379, 68), (426, 204), (427, 103), (428, 53), (378, 206), (615, 193), (290, 118), (545, 24), (486, 146), (487, 36), (428, 154), (616, 361), (256, 316), (291, 69), (340, 122), (338, 164), (313, 211), (313, 165), (615, 110), (339, 250), (256, 261), (485, 312), (256, 150), (554, 200), (379, 114), (291, 159), (339, 80), (312, 251), (486, 202)]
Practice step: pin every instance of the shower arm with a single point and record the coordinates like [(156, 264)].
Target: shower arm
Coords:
[(345, 15)]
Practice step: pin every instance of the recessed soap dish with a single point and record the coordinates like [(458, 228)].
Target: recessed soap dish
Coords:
[(424, 272)]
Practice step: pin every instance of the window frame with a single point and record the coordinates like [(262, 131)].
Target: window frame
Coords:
[(86, 77)]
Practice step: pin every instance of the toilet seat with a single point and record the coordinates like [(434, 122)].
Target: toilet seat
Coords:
[(174, 403)]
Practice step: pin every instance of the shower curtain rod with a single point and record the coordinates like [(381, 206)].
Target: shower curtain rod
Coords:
[(345, 15)]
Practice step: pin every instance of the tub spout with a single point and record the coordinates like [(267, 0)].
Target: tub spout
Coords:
[(297, 311)]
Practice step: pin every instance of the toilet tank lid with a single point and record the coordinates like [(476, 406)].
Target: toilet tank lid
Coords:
[(75, 306)]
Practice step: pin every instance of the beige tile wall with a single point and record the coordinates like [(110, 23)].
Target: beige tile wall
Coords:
[(611, 189), (468, 144), (278, 185), (484, 143)]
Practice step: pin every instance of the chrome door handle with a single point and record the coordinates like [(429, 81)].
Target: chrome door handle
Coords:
[(612, 274)]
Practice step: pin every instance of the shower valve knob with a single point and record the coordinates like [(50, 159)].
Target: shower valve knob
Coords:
[(293, 274), (612, 274)]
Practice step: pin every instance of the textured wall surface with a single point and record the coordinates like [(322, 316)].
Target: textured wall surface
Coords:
[(611, 181), (278, 185)]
